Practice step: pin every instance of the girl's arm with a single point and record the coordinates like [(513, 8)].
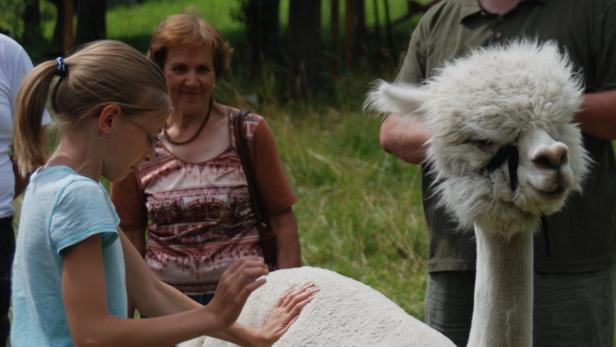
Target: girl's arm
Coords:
[(155, 298), (84, 294), (159, 298)]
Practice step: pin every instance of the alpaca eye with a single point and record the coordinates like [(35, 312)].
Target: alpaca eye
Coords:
[(485, 145)]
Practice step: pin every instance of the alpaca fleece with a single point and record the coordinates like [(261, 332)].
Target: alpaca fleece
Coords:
[(345, 312), (495, 95), (522, 95)]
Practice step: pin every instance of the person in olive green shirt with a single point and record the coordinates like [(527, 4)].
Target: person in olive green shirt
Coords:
[(574, 265)]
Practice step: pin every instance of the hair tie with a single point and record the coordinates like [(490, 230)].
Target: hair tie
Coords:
[(61, 68)]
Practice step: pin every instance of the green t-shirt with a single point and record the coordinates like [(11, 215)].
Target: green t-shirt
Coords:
[(582, 237)]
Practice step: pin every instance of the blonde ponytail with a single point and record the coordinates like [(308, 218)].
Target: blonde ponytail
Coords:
[(28, 147)]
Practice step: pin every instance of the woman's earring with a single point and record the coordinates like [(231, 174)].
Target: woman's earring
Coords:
[(101, 136)]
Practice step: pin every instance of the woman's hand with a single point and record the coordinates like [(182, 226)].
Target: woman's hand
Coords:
[(234, 287), (286, 311)]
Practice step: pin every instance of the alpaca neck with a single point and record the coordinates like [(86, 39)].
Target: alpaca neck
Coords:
[(502, 314)]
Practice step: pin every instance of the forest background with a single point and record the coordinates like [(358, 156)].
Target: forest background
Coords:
[(305, 65)]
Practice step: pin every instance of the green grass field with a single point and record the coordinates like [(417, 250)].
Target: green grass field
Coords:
[(360, 209)]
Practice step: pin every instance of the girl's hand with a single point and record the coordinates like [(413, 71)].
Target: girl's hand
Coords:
[(286, 311), (234, 287)]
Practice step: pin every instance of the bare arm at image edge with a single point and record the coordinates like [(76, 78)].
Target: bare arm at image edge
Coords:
[(598, 115)]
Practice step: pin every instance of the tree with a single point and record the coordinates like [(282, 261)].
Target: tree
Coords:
[(355, 31), (304, 46), (262, 29), (32, 24), (58, 30), (91, 23)]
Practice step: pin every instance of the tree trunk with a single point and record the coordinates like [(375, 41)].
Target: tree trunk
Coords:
[(377, 20), (67, 38), (391, 43), (32, 23), (58, 30), (355, 31), (262, 31), (91, 24), (304, 46), (335, 35)]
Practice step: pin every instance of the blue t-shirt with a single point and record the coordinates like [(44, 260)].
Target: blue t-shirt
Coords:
[(61, 208)]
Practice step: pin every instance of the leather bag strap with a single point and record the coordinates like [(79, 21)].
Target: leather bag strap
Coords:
[(256, 200)]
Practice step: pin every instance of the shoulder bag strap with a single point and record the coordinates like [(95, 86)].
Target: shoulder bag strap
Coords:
[(256, 200)]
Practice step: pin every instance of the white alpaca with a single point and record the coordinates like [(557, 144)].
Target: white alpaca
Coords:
[(345, 312), (517, 101)]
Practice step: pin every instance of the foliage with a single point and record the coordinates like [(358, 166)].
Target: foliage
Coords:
[(10, 17)]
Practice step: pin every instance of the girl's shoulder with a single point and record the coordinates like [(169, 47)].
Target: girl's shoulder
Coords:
[(60, 185)]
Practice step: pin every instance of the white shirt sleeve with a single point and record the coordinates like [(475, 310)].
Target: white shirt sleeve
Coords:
[(20, 68)]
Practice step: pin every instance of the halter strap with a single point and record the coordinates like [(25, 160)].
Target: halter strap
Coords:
[(510, 154)]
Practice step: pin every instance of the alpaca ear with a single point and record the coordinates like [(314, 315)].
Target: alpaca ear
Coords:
[(402, 99)]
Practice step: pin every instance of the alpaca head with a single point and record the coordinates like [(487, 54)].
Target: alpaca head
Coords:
[(514, 102)]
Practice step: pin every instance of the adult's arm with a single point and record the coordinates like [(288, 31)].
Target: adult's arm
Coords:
[(278, 196), (404, 138), (284, 226), (598, 115), (129, 201)]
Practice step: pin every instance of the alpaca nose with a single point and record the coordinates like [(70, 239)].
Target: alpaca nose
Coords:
[(551, 158)]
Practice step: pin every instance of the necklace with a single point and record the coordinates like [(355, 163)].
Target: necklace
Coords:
[(192, 138)]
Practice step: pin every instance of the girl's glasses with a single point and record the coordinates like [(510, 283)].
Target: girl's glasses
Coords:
[(151, 137)]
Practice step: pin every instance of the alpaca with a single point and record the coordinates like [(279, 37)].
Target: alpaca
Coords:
[(505, 152), (345, 312), (514, 105)]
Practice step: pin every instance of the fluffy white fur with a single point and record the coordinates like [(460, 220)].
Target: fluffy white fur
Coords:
[(523, 94), (495, 94), (345, 312)]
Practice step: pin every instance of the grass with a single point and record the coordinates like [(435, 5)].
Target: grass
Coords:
[(360, 209)]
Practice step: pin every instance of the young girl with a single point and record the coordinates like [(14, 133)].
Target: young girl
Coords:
[(74, 270)]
